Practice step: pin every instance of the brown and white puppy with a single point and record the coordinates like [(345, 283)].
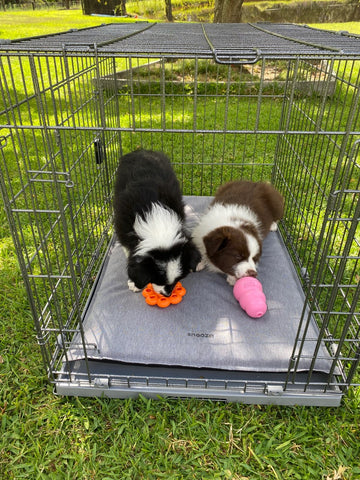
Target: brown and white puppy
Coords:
[(229, 235)]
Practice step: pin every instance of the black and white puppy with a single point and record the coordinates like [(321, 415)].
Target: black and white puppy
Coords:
[(149, 221), (230, 234)]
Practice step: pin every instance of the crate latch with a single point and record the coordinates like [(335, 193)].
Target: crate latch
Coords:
[(274, 390), (101, 382)]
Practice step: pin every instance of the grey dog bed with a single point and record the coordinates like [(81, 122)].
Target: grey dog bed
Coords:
[(208, 329)]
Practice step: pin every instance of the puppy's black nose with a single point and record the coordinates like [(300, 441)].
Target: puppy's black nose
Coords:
[(168, 289), (251, 273)]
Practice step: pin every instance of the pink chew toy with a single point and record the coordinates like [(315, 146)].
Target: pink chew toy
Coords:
[(249, 293)]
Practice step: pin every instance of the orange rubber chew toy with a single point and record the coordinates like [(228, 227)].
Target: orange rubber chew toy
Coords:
[(154, 298)]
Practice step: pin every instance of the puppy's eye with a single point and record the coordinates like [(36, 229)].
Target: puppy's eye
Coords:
[(239, 258)]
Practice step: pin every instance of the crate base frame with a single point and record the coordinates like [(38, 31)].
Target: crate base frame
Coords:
[(117, 380)]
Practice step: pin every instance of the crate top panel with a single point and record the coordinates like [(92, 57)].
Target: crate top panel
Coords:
[(227, 43)]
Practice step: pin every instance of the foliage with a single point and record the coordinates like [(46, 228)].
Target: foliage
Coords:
[(201, 10)]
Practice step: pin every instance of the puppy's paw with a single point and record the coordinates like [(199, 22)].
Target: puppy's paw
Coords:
[(201, 265), (132, 286), (273, 227), (231, 280)]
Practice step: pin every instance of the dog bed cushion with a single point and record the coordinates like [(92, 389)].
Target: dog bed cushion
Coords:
[(208, 329)]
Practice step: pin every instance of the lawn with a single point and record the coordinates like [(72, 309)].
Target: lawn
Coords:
[(21, 24), (48, 437)]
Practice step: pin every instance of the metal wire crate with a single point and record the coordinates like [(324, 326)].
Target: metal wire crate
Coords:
[(264, 102)]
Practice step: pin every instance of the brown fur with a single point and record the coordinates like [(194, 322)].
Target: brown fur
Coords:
[(226, 246), (262, 198)]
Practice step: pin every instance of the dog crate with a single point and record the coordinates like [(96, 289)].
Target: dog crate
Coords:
[(271, 102)]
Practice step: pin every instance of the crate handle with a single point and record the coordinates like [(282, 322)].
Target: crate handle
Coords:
[(226, 58), (236, 59)]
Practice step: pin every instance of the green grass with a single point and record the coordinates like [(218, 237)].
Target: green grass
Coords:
[(20, 24), (352, 27), (48, 437)]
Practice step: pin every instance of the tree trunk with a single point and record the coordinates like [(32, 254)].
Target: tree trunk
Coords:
[(168, 10), (227, 11), (123, 8)]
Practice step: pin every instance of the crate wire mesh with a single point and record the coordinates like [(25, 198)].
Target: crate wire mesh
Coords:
[(224, 102)]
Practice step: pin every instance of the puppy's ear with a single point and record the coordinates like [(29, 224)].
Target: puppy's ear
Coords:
[(217, 240), (138, 271), (191, 256)]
